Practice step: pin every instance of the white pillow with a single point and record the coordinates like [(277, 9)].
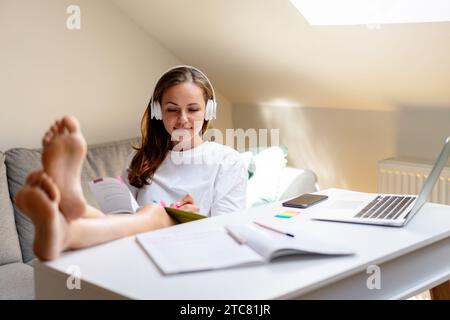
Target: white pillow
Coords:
[(263, 186), (249, 163)]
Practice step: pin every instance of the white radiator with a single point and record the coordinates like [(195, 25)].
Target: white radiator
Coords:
[(403, 177)]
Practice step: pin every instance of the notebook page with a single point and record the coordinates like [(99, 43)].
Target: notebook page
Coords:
[(113, 196), (186, 251), (271, 244)]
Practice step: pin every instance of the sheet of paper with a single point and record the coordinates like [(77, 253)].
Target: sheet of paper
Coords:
[(113, 195), (305, 239), (183, 251)]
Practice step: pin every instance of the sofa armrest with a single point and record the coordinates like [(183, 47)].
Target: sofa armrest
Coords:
[(296, 181)]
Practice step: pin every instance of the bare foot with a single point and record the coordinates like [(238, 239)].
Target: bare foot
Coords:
[(64, 150), (39, 199)]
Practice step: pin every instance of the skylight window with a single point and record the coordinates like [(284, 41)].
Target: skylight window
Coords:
[(372, 12)]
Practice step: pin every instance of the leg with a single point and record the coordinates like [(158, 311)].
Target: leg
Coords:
[(54, 200), (441, 292), (85, 232), (92, 212), (54, 233)]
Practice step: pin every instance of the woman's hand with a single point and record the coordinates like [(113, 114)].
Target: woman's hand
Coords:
[(187, 203)]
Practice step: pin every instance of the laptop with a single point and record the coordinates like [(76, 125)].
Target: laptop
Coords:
[(387, 209)]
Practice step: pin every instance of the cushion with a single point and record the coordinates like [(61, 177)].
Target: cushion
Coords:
[(263, 186), (295, 181), (9, 239), (16, 282), (249, 163), (257, 150), (19, 163), (105, 159)]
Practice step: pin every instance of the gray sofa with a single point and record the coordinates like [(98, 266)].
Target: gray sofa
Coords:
[(17, 231)]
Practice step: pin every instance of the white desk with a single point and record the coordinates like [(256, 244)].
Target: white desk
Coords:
[(412, 259)]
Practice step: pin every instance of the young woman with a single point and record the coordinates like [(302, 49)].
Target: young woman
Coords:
[(173, 164)]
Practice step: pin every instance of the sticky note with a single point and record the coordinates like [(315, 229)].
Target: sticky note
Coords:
[(287, 214)]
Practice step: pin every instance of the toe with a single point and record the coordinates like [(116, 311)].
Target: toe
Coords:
[(34, 177), (54, 128), (50, 188), (20, 197), (60, 125), (71, 123), (48, 136)]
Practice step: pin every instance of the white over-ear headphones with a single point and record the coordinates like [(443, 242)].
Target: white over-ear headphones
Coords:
[(211, 104)]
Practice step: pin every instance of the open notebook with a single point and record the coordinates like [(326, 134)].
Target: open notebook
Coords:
[(177, 251)]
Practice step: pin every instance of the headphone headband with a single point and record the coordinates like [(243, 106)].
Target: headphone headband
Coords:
[(211, 105)]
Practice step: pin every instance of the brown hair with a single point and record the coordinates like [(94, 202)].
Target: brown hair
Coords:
[(155, 140)]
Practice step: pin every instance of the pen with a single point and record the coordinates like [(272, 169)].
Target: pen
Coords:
[(275, 230), (236, 237), (180, 205)]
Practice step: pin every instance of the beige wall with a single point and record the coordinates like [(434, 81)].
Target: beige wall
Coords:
[(397, 73), (103, 73), (224, 118), (264, 50), (343, 146)]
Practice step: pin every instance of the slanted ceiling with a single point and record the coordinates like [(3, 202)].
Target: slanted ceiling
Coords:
[(257, 52)]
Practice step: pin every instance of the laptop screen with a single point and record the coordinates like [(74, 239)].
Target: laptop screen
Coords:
[(432, 178)]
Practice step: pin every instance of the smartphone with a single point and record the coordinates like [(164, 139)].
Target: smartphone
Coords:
[(305, 201)]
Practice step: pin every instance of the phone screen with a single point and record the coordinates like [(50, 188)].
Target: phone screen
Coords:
[(305, 200)]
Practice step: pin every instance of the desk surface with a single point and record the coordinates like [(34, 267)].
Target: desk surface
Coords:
[(411, 259)]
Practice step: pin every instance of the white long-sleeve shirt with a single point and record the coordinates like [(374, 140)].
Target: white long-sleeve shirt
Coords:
[(212, 173)]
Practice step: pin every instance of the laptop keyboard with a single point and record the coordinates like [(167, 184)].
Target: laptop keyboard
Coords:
[(385, 207)]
